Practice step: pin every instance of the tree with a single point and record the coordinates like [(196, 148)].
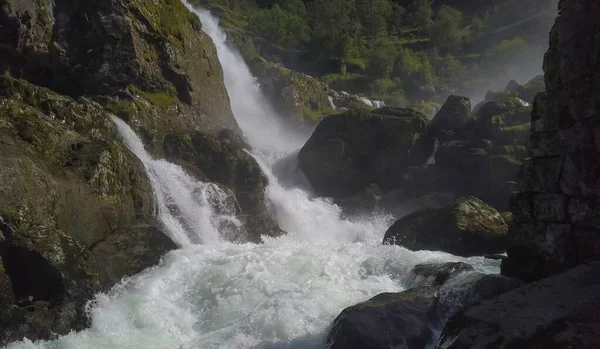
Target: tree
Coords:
[(446, 31), (421, 13), (397, 18), (281, 27), (335, 30), (373, 16), (382, 58)]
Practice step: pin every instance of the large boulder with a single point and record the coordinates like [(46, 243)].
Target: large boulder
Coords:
[(386, 320), (558, 312), (224, 160), (453, 115), (467, 227), (406, 319), (348, 152)]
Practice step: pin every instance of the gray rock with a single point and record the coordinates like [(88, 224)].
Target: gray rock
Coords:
[(386, 320), (467, 227), (558, 312)]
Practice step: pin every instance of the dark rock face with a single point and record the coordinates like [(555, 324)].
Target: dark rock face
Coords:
[(453, 115), (386, 320), (392, 320), (76, 207), (150, 61), (557, 312), (467, 227), (556, 216), (127, 251), (348, 152)]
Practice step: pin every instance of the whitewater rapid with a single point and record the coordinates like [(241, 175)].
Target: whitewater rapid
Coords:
[(214, 294)]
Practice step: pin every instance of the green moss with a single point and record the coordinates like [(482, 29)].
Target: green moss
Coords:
[(161, 99), (123, 109)]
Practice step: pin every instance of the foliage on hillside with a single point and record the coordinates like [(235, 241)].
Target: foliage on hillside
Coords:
[(395, 50)]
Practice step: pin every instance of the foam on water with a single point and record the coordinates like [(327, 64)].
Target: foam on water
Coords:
[(215, 294)]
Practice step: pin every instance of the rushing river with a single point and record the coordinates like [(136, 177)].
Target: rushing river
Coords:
[(214, 294)]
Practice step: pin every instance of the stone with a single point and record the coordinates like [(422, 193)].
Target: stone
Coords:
[(386, 320), (453, 115), (557, 312), (436, 274), (349, 151), (467, 227)]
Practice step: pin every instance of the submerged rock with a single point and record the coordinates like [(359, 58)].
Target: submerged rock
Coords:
[(436, 274), (386, 320), (348, 152), (467, 227)]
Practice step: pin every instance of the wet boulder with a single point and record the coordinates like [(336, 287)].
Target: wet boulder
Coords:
[(349, 151), (386, 320), (436, 274), (558, 312), (467, 227)]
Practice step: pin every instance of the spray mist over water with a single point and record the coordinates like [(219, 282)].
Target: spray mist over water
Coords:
[(214, 294)]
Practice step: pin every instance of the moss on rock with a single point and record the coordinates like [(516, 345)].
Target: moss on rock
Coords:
[(467, 227)]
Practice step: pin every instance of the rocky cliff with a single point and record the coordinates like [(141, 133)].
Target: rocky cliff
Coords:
[(76, 207), (557, 211)]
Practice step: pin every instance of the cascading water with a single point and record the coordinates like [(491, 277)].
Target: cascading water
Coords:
[(215, 294)]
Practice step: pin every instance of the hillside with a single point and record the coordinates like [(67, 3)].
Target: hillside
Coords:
[(399, 51)]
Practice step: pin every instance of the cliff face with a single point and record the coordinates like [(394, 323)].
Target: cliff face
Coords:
[(557, 212), (147, 61), (76, 207)]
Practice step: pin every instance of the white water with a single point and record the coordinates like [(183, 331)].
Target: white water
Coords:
[(281, 294)]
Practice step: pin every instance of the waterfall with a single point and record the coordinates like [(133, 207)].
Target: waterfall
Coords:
[(211, 293), (436, 146), (190, 211)]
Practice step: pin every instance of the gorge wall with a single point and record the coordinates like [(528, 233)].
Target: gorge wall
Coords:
[(557, 212), (76, 206)]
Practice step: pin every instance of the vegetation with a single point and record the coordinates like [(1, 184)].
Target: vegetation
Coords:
[(393, 49)]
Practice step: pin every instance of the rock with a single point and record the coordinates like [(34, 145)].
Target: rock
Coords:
[(299, 98), (469, 288), (386, 320), (497, 107), (467, 227), (513, 86), (557, 312), (556, 225), (161, 73), (436, 274), (224, 160), (350, 151), (498, 167), (528, 91), (364, 202), (127, 251), (453, 115)]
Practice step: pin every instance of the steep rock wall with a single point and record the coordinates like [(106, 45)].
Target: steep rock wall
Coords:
[(557, 211)]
